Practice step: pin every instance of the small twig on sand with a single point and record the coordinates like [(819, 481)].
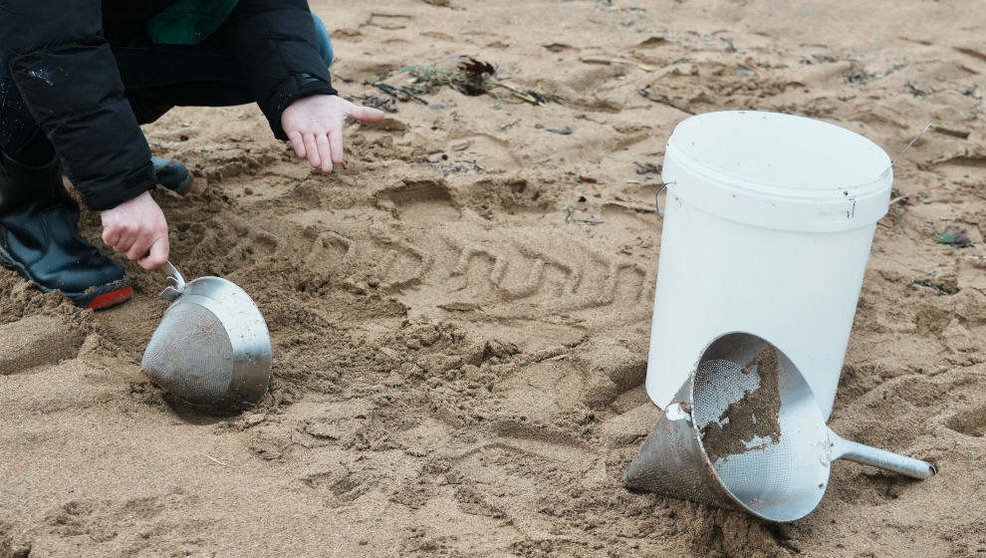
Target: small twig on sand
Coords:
[(215, 460), (569, 218), (386, 104), (395, 91), (632, 207), (660, 100), (518, 93)]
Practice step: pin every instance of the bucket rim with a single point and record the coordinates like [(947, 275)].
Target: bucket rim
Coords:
[(688, 157), (768, 204)]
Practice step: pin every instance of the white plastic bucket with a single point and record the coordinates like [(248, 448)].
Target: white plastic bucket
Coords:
[(767, 229)]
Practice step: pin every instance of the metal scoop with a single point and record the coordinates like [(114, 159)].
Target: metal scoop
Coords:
[(745, 432), (212, 349)]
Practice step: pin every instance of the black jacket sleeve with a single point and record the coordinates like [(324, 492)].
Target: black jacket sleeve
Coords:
[(67, 75), (275, 44)]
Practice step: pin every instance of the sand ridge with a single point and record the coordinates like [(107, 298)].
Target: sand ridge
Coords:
[(460, 315)]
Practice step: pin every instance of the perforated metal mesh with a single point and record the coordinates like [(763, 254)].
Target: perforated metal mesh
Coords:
[(190, 355), (777, 469), (759, 477)]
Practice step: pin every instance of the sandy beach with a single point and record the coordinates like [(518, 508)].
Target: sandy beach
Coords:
[(460, 314)]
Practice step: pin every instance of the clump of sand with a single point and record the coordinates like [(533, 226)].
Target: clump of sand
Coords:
[(755, 416)]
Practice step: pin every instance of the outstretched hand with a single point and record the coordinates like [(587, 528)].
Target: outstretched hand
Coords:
[(314, 125)]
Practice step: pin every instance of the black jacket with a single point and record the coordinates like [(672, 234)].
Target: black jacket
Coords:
[(61, 61)]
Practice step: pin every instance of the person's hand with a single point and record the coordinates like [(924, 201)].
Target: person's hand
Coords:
[(314, 126), (138, 229)]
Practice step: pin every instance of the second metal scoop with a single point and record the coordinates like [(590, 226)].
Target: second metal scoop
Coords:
[(745, 432)]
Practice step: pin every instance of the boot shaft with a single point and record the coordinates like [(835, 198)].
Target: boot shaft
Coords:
[(24, 185), (40, 239)]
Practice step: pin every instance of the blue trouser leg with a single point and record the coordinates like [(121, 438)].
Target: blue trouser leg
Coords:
[(324, 41)]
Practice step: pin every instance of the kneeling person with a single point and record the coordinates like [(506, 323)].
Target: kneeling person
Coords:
[(78, 78)]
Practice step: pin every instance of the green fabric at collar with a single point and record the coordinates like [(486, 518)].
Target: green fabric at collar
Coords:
[(189, 22)]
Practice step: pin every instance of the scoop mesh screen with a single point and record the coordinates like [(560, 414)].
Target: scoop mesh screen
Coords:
[(761, 475), (190, 354)]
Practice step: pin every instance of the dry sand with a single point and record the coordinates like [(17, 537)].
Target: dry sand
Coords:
[(460, 321)]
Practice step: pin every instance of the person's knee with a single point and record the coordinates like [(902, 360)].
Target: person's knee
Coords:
[(323, 41)]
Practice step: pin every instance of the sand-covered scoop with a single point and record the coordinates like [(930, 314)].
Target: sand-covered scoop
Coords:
[(746, 432), (212, 349)]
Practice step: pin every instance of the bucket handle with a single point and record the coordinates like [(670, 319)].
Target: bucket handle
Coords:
[(657, 197)]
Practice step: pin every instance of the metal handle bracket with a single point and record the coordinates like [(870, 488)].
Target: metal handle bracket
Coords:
[(177, 286)]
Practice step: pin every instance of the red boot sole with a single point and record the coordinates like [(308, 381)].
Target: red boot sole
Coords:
[(112, 298)]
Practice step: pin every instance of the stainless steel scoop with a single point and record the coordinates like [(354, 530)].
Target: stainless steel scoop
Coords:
[(212, 349), (745, 432)]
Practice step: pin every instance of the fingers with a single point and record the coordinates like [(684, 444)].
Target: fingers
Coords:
[(111, 236), (298, 143), (335, 144), (367, 114), (314, 127), (125, 241), (311, 149), (158, 254), (140, 247), (324, 152), (138, 229)]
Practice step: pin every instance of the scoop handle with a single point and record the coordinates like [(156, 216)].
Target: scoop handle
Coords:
[(177, 286), (869, 455)]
